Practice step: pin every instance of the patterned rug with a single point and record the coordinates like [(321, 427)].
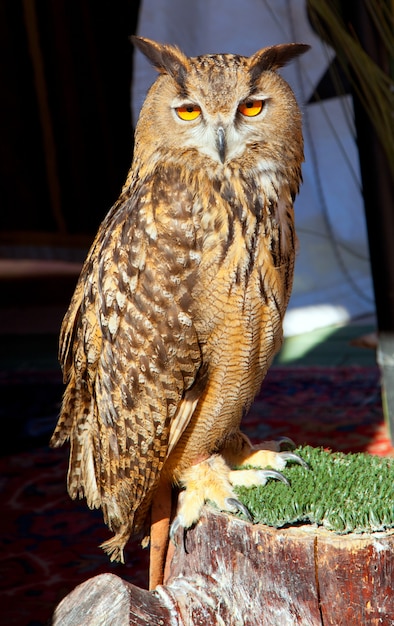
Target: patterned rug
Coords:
[(50, 543)]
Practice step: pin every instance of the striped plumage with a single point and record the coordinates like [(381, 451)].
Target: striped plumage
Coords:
[(178, 310)]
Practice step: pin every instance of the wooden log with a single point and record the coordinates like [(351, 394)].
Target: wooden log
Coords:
[(107, 599), (298, 575), (227, 571)]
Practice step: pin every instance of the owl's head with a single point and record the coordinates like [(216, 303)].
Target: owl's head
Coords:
[(221, 106)]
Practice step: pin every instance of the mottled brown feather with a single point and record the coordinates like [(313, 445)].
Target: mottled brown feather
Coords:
[(178, 310)]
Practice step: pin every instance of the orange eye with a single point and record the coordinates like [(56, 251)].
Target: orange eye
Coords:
[(188, 112), (251, 108)]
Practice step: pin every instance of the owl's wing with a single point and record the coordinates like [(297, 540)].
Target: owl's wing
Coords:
[(72, 316), (130, 355)]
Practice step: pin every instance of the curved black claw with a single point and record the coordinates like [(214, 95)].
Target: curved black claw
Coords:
[(176, 524), (290, 456), (285, 443), (274, 474), (240, 507)]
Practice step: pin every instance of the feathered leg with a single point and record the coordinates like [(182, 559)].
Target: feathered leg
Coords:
[(213, 479), (159, 532)]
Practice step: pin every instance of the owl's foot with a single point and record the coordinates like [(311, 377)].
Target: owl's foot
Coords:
[(272, 454), (213, 480), (207, 480)]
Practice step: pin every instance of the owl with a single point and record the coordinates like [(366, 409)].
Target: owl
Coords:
[(178, 310)]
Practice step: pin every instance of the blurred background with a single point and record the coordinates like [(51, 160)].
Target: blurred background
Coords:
[(66, 146)]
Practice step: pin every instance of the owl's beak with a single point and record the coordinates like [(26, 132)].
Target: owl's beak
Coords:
[(221, 143)]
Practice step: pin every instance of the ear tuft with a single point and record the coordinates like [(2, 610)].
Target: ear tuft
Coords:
[(165, 58), (274, 57)]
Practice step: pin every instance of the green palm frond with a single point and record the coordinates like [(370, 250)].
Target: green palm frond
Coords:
[(373, 84)]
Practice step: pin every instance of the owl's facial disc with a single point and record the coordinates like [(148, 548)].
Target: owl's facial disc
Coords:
[(222, 133), (220, 128)]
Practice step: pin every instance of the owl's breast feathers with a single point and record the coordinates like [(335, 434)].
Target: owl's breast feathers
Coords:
[(180, 269)]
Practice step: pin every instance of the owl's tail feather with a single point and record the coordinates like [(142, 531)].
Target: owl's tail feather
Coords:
[(159, 536), (64, 424), (114, 547)]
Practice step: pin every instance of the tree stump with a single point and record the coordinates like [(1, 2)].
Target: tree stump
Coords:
[(229, 572)]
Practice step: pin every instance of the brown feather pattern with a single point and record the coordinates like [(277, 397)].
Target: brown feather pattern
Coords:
[(178, 310)]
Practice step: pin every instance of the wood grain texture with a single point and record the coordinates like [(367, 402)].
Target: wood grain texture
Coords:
[(107, 599)]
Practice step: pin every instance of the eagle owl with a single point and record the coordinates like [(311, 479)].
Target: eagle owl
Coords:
[(178, 310)]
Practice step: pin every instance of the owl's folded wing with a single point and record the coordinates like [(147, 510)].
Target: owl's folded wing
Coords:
[(130, 353)]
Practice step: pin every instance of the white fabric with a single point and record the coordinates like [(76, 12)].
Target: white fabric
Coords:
[(333, 278)]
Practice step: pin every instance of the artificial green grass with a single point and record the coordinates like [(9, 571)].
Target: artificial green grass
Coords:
[(341, 492)]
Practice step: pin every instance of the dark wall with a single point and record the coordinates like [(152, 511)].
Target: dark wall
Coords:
[(65, 123)]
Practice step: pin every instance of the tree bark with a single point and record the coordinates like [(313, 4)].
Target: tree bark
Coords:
[(227, 571)]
